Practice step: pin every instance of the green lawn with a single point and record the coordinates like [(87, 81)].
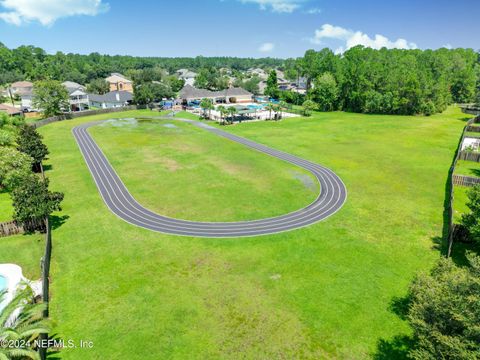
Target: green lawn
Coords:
[(468, 168), (459, 203), (325, 291), (160, 160), (6, 210)]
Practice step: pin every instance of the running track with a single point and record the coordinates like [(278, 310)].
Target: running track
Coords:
[(116, 196)]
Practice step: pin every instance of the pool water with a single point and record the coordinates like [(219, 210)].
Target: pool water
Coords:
[(3, 283)]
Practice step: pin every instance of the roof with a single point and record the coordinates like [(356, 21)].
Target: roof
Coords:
[(117, 77), (72, 87), (190, 92), (22, 84), (10, 110), (111, 97)]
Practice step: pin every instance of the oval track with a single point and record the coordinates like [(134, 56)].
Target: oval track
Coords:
[(118, 199)]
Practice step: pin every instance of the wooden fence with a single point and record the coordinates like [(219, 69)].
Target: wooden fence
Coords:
[(450, 184), (469, 156), (471, 128), (462, 180), (12, 227), (74, 115)]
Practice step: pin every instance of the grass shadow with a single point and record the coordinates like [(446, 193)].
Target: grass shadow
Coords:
[(47, 167), (57, 221), (475, 172), (395, 349), (399, 346)]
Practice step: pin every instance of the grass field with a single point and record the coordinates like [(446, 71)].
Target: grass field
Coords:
[(326, 291), (6, 209), (468, 168), (160, 160)]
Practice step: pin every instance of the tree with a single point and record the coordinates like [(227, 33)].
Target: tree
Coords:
[(270, 107), (98, 86), (308, 107), (207, 106), (223, 112), (33, 202), (147, 93), (14, 167), (324, 92), (30, 142), (21, 322), (232, 110), (51, 97), (471, 220), (272, 85), (445, 312), (282, 106)]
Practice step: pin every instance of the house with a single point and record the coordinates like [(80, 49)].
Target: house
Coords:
[(78, 98), (187, 75), (112, 99), (21, 86), (10, 110), (24, 90), (191, 94), (118, 82)]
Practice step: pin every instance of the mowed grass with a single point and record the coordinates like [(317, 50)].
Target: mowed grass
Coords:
[(179, 170), (325, 291), (467, 168), (6, 209)]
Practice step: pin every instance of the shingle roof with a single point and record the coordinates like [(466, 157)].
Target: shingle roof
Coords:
[(111, 97), (10, 110), (190, 92), (22, 84), (117, 77)]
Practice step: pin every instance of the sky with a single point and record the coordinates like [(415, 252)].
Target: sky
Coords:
[(244, 28)]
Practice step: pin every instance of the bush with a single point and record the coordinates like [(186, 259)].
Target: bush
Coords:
[(6, 138)]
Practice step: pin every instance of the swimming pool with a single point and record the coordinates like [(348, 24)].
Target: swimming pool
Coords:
[(3, 283)]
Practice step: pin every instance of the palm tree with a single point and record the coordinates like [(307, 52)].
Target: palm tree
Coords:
[(232, 110), (21, 322), (270, 107), (206, 105), (223, 112), (283, 105)]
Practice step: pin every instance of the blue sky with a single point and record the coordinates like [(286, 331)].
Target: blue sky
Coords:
[(256, 28)]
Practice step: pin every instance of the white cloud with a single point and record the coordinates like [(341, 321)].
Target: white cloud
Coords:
[(354, 38), (279, 6), (314, 11), (47, 12), (266, 47)]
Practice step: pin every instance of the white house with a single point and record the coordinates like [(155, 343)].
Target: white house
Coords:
[(24, 89), (78, 98), (187, 75), (112, 99)]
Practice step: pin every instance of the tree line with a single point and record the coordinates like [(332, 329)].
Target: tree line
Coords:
[(388, 81), (33, 63)]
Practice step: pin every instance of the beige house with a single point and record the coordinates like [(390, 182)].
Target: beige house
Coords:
[(118, 82)]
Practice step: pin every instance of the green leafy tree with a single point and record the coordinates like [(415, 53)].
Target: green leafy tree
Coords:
[(272, 85), (98, 86), (14, 167), (51, 97), (324, 92), (32, 201), (232, 110), (21, 322), (29, 141), (223, 113), (207, 107), (445, 312), (471, 220), (270, 108), (308, 107)]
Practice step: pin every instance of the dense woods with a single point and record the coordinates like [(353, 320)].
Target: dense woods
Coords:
[(389, 81), (386, 81)]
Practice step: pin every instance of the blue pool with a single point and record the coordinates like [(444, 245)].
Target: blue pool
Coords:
[(3, 283)]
